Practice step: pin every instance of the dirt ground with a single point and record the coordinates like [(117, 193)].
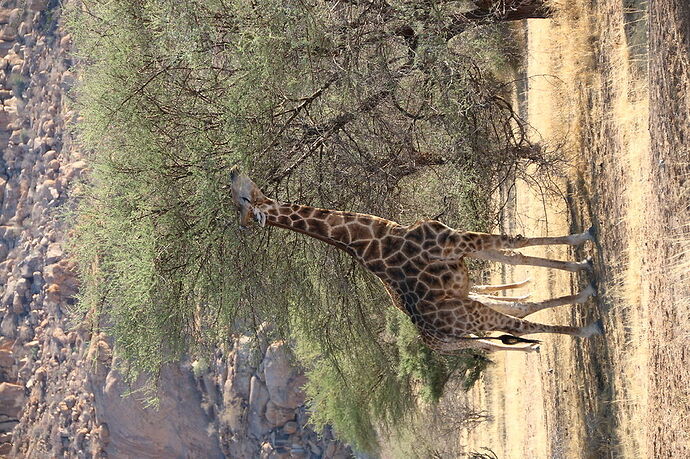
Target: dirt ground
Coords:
[(608, 83)]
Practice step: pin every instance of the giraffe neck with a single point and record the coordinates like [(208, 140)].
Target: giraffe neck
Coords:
[(349, 231)]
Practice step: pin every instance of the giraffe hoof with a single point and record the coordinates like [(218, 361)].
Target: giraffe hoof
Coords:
[(590, 290), (591, 233), (587, 265), (593, 329), (594, 288)]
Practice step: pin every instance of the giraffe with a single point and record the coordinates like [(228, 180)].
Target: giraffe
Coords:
[(422, 267)]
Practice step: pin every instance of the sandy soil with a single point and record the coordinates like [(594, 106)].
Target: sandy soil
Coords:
[(625, 130)]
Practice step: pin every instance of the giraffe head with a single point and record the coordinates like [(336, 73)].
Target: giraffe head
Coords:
[(246, 196)]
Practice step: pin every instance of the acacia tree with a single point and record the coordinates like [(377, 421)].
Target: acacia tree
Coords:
[(508, 10), (365, 105)]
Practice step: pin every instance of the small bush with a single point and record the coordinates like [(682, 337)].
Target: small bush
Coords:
[(18, 84)]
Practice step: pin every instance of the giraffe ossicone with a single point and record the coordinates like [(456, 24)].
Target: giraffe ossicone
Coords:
[(422, 267)]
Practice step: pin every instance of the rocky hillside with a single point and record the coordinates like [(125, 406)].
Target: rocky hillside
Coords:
[(62, 393)]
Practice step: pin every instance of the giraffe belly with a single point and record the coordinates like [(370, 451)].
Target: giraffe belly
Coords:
[(422, 295), (445, 281)]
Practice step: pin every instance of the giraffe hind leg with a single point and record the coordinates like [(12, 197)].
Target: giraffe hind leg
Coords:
[(487, 319), (506, 298), (488, 346), (522, 309)]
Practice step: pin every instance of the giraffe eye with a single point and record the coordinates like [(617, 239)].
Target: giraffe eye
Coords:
[(245, 200)]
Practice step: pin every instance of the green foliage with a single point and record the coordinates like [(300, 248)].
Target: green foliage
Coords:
[(362, 377), (323, 103), (18, 83), (48, 19)]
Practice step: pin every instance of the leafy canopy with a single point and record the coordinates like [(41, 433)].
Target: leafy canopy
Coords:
[(365, 106)]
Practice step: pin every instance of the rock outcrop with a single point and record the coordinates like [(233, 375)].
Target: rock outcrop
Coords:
[(61, 393), (263, 405)]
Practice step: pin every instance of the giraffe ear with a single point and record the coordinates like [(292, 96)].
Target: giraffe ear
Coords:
[(257, 194), (234, 172)]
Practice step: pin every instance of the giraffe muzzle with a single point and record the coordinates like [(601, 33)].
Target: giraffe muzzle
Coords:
[(259, 216)]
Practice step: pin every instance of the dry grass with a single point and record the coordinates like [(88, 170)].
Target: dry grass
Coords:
[(623, 395), (433, 432), (593, 396), (606, 92)]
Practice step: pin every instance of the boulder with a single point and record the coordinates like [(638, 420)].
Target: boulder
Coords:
[(49, 127), (59, 336), (239, 377), (16, 70), (8, 33), (8, 326), (277, 415), (49, 156), (6, 359), (18, 304), (65, 42), (5, 15), (103, 433), (37, 282), (37, 5), (15, 15), (283, 381), (16, 137), (75, 170), (290, 427), (29, 265), (178, 427), (67, 80), (7, 116), (258, 397), (11, 399), (54, 253), (46, 192), (10, 285), (63, 275), (53, 165), (21, 286), (26, 333), (23, 29)]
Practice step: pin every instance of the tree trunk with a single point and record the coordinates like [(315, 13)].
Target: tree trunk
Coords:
[(508, 10)]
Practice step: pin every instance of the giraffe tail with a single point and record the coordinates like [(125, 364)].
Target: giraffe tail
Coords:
[(510, 339)]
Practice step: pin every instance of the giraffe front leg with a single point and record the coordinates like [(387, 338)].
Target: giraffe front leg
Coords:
[(478, 242), (505, 298), (499, 287), (516, 258)]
